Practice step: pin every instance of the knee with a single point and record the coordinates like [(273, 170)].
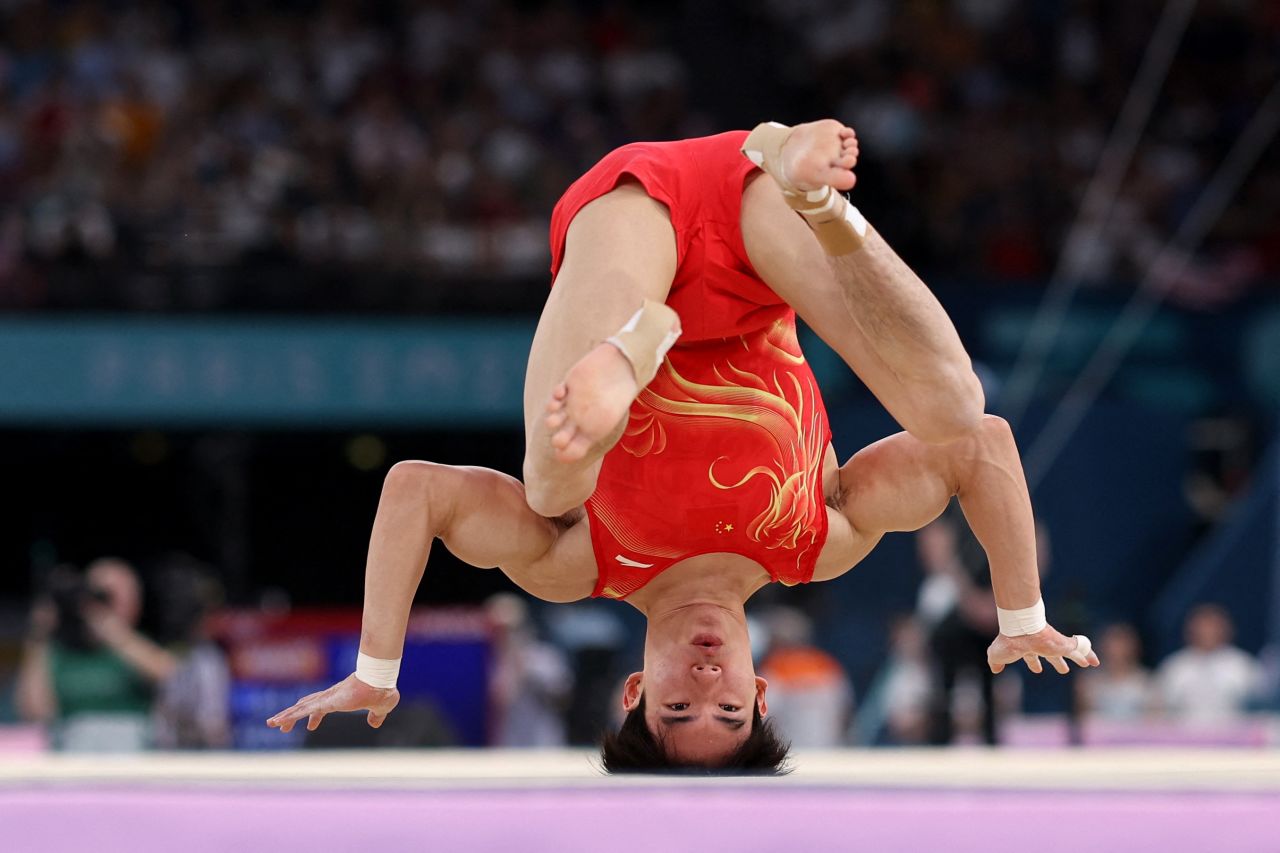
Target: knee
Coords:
[(548, 498), (548, 503), (545, 501), (954, 411), (967, 402)]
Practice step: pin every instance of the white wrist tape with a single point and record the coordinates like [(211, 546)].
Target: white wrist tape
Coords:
[(1017, 623), (377, 672)]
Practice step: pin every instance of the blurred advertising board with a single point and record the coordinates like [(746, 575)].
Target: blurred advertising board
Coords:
[(277, 658)]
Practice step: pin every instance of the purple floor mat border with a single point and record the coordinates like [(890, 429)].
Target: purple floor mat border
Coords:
[(705, 818), (295, 789)]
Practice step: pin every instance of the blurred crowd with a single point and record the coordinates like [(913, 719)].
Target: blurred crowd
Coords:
[(984, 121), (143, 138), (96, 680), (222, 155)]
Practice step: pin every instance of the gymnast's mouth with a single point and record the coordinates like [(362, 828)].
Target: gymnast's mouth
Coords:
[(708, 641)]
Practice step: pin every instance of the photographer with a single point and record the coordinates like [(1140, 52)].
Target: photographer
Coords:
[(86, 672)]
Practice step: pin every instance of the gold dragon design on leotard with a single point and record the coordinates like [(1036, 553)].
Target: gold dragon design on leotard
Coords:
[(785, 405)]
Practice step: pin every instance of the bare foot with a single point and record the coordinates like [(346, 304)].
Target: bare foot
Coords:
[(586, 408), (820, 154)]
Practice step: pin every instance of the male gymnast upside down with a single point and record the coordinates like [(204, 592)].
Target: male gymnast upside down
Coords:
[(684, 477)]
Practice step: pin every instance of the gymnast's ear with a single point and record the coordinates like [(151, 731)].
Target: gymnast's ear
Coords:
[(631, 690), (761, 687)]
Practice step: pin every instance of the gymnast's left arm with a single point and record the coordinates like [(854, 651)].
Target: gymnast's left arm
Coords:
[(902, 483), (985, 471)]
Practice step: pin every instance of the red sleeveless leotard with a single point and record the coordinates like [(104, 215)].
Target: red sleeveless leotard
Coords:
[(724, 449)]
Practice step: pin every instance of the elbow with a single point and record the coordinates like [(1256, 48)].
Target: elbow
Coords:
[(427, 487), (409, 478)]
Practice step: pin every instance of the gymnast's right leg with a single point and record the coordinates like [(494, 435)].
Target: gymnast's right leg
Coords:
[(602, 326)]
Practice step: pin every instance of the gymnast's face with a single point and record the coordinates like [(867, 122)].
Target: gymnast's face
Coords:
[(700, 687)]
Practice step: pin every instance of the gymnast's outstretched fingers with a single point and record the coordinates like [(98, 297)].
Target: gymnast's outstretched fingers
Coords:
[(350, 694), (1046, 643)]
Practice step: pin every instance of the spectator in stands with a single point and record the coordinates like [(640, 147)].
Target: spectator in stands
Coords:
[(956, 609), (810, 695), (86, 671), (530, 681), (594, 639), (435, 137), (1269, 688), (900, 702), (1209, 680), (1125, 691), (193, 705)]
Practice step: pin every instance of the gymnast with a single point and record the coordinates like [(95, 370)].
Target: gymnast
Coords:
[(677, 450)]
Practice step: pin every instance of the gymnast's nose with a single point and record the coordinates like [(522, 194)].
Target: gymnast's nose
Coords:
[(706, 671)]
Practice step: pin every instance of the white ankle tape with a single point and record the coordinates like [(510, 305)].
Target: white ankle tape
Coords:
[(1018, 623), (646, 338), (838, 225), (377, 672), (763, 146)]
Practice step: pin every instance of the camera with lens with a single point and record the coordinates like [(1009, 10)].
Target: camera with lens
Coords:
[(70, 593)]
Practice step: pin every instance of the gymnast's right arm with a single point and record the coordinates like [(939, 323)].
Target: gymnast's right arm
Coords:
[(482, 517)]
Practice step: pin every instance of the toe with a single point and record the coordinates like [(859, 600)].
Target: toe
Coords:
[(578, 448), (562, 437), (841, 179)]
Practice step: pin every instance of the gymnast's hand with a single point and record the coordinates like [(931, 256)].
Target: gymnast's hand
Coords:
[(1046, 642), (350, 694)]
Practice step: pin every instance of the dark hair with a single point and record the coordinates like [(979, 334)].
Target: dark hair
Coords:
[(635, 749)]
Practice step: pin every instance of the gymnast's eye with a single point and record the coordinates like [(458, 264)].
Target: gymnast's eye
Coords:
[(678, 706), (729, 708)]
